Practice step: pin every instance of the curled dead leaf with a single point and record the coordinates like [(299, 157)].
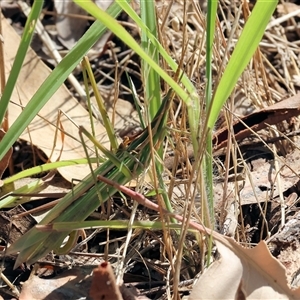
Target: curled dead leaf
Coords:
[(258, 120), (69, 284), (254, 271)]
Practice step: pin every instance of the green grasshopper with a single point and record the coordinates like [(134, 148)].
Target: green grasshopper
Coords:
[(79, 203)]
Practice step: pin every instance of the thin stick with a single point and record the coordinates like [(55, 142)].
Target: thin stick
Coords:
[(149, 204), (226, 241)]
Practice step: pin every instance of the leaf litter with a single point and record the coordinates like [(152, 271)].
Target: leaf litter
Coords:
[(239, 272)]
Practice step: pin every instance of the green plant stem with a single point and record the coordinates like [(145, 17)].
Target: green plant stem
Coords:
[(111, 224), (89, 104), (106, 121), (243, 52), (150, 77), (210, 31), (48, 167), (20, 56)]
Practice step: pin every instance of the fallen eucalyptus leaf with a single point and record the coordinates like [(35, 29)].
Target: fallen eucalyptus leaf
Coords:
[(254, 271)]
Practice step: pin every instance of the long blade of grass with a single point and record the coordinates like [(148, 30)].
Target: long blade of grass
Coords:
[(11, 201), (244, 50), (152, 84), (20, 56), (89, 103), (111, 224), (50, 166), (151, 78), (55, 80), (100, 102), (210, 32), (173, 65)]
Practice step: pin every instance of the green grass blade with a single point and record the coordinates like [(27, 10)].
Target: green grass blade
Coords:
[(11, 201), (20, 56), (244, 50), (173, 65), (152, 83), (210, 32), (136, 101), (48, 167), (111, 224), (151, 78), (100, 102), (54, 81), (89, 104)]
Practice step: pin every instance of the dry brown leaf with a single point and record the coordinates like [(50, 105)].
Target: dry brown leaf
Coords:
[(70, 27), (42, 131), (71, 284), (260, 274), (258, 120), (262, 185)]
